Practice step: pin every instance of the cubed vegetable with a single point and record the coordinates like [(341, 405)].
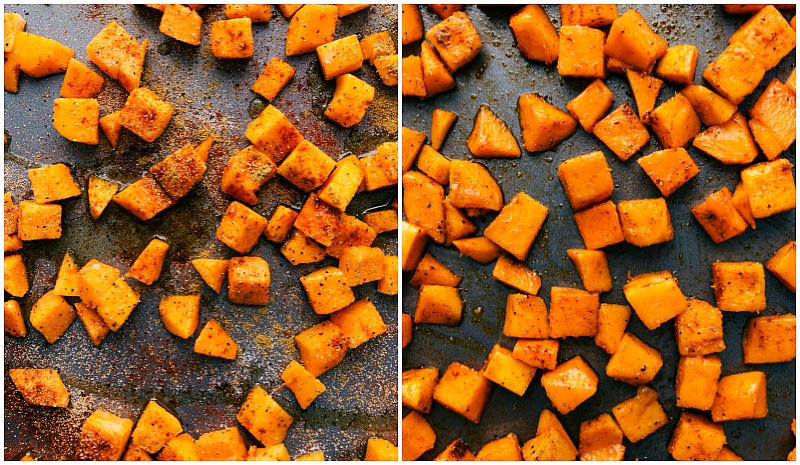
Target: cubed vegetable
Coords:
[(601, 439), (438, 305), (145, 114), (360, 322), (232, 38), (696, 381), (39, 56), (111, 126), (456, 450), (599, 226), (770, 187), (350, 101), (247, 170), (80, 81), (632, 41), (570, 384), (501, 368), (544, 125), (655, 297), (180, 314), (380, 168), (116, 303), (536, 36), (634, 361), (735, 73), (491, 137), (538, 353), (77, 119), (417, 388), (96, 328), (622, 132), (307, 167), (147, 267), (783, 264), (464, 391), (612, 319), (740, 396), (321, 347), (423, 204), (591, 105), (13, 321), (213, 271), (696, 438), (303, 384), (739, 286), (179, 171), (214, 341), (669, 168), (240, 227), (774, 119), (674, 122), (103, 436), (698, 329), (678, 64), (343, 184), (770, 339), (729, 142), (40, 386), (573, 312), (52, 315), (456, 40), (645, 90), (100, 193), (417, 435), (580, 52), (299, 249), (586, 180), (712, 109), (645, 221), (155, 428), (406, 330), (719, 217), (473, 186), (641, 415), (275, 76), (768, 34), (592, 266), (515, 274), (517, 225), (412, 32), (379, 449), (594, 15), (39, 221), (340, 56), (256, 13), (224, 444), (505, 448), (327, 290), (182, 23), (118, 55), (273, 133), (388, 285), (248, 280), (181, 447), (310, 27)]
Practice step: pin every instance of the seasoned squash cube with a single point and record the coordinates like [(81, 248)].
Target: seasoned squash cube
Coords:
[(321, 347), (423, 204), (327, 290), (379, 449), (473, 186), (360, 322), (775, 115), (536, 36), (288, 10), (591, 105), (213, 271), (457, 225), (480, 249), (645, 221), (96, 328), (248, 281), (696, 381), (240, 227), (182, 447), (182, 23), (506, 449), (100, 194), (280, 224), (770, 187), (361, 264), (645, 89), (111, 126), (641, 415), (418, 436), (15, 277), (12, 23), (634, 361), (517, 225), (10, 215), (456, 40), (570, 384), (435, 76), (39, 56), (740, 396), (340, 56), (275, 76), (438, 305), (592, 266), (739, 286), (382, 220), (413, 243), (537, 353), (464, 391), (147, 267), (225, 444), (601, 439), (770, 339), (633, 42), (349, 232), (413, 77), (145, 114), (622, 132), (434, 164), (696, 438), (674, 122), (544, 125), (491, 137), (80, 81), (417, 388), (669, 169), (180, 314), (118, 55), (247, 170), (273, 133), (457, 450), (93, 280), (77, 119), (343, 184), (257, 13), (13, 321), (275, 453), (719, 217), (735, 73), (501, 368), (573, 312), (655, 297), (549, 445), (310, 27), (179, 172), (388, 285), (380, 168), (40, 386), (103, 436), (586, 179), (783, 265), (387, 67), (741, 201), (155, 428), (350, 101), (726, 454), (303, 384), (516, 275), (729, 142), (377, 45), (39, 221), (299, 249), (580, 52), (678, 64), (599, 226), (711, 108), (116, 303), (412, 32), (768, 34), (413, 142), (307, 167), (214, 341), (698, 329), (232, 38)]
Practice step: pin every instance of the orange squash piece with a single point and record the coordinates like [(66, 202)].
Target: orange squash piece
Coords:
[(491, 137)]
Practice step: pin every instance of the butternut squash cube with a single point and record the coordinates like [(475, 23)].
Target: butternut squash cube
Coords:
[(696, 438), (111, 127), (77, 119), (612, 320), (622, 132), (640, 415), (438, 305), (573, 312), (502, 449), (517, 225), (116, 303), (321, 347), (674, 122), (599, 226), (739, 286), (537, 353), (377, 45), (740, 396), (632, 41), (12, 23), (100, 194), (570, 384), (388, 285), (655, 297), (96, 328), (516, 275), (145, 114), (456, 40), (52, 315), (275, 76), (441, 123), (770, 339), (360, 322), (423, 204), (225, 444), (444, 11), (40, 386), (13, 321), (735, 73), (729, 142), (135, 453), (379, 449), (480, 249), (182, 23), (232, 38), (80, 81), (770, 187), (491, 137), (256, 13), (549, 445), (342, 185), (417, 435), (240, 227), (432, 271), (669, 169), (299, 249), (248, 281), (678, 64), (10, 215), (288, 10), (350, 101), (310, 27), (698, 329), (382, 221), (586, 179), (696, 381), (591, 105), (413, 77), (280, 224), (634, 362), (15, 276), (214, 341), (39, 56), (247, 170), (457, 224), (417, 388), (273, 133), (180, 314), (645, 90), (588, 15), (783, 265), (349, 232), (413, 243), (307, 167), (711, 108), (501, 368), (776, 114), (118, 55), (179, 172), (601, 439), (93, 280), (213, 271), (473, 186), (457, 450), (387, 67), (182, 447), (275, 453), (303, 384), (544, 125), (580, 52), (147, 267), (741, 201), (406, 330), (340, 56), (768, 34), (592, 266), (380, 168), (434, 164), (103, 436), (719, 217), (536, 36), (155, 428), (327, 290), (645, 221), (464, 391)]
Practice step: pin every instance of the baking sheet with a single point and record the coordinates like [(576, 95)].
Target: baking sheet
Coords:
[(497, 77), (143, 361)]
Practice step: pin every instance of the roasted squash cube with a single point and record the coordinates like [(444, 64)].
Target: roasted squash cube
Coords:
[(538, 353), (418, 436), (698, 329), (288, 10), (770, 339), (457, 224), (591, 105), (417, 388), (350, 232), (388, 285), (213, 271), (361, 264), (669, 169), (350, 101), (634, 361), (413, 77), (412, 32), (592, 266), (144, 114), (457, 450), (80, 81), (93, 280), (179, 172), (118, 55), (588, 15), (770, 187), (12, 23), (340, 56), (491, 137), (360, 322), (573, 312), (225, 444), (480, 249), (240, 227), (343, 184), (96, 328), (273, 133), (377, 45), (147, 267), (783, 265), (232, 38), (248, 281), (696, 438), (586, 179), (549, 445), (517, 225), (435, 76), (275, 76), (52, 183), (439, 305), (740, 396), (116, 303), (544, 125), (387, 67), (247, 170), (645, 221), (40, 386), (304, 385), (645, 89), (39, 221), (570, 384), (413, 243), (601, 439), (181, 447), (712, 109), (111, 127), (473, 186), (275, 453), (441, 123), (739, 286), (307, 167), (678, 64), (719, 217), (655, 297), (741, 201), (382, 220), (622, 132), (516, 275), (501, 368), (776, 114), (280, 224), (423, 204), (641, 415), (299, 249), (456, 40), (696, 381), (77, 119), (103, 436), (13, 321), (464, 391), (214, 341), (729, 142), (310, 27), (155, 428), (182, 23), (632, 41), (735, 73), (180, 314), (536, 36), (502, 449), (768, 34), (580, 52), (599, 226), (67, 279), (39, 56), (674, 122), (321, 347), (327, 290), (257, 13), (380, 168)]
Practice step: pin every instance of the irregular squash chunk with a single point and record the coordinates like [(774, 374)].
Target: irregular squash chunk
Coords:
[(735, 73), (100, 193), (310, 27), (275, 76), (573, 312), (350, 101), (322, 347), (517, 225), (641, 415), (464, 391), (214, 341), (770, 339), (768, 34), (491, 137), (273, 133), (423, 204), (570, 384), (147, 267), (770, 187), (544, 126), (181, 23), (622, 132), (360, 322), (247, 170), (586, 180), (655, 297), (776, 110), (456, 40), (730, 142), (601, 439), (678, 64), (118, 55), (52, 315), (506, 371), (307, 166), (645, 90), (248, 281), (783, 265), (299, 249), (587, 14), (591, 105), (645, 222), (435, 76), (77, 119), (144, 198), (39, 56), (40, 386), (418, 436), (240, 227), (80, 81), (52, 183), (145, 115), (412, 28), (536, 36), (473, 186), (696, 438), (580, 52), (103, 436), (13, 321), (155, 428), (698, 329), (516, 275), (340, 56), (632, 41), (304, 385), (740, 396), (222, 445), (634, 361), (669, 169), (696, 381), (719, 217), (111, 126), (327, 290), (599, 226), (739, 286), (438, 304), (213, 271), (180, 314), (232, 38), (711, 108), (674, 122), (179, 172)]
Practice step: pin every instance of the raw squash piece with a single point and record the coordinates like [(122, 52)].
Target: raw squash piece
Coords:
[(77, 119), (735, 73), (182, 447), (768, 34), (586, 180), (437, 304), (222, 445), (632, 41), (770, 187), (434, 164), (712, 109), (423, 204), (147, 267), (456, 40), (730, 142), (441, 122), (213, 271), (580, 52), (40, 386), (275, 76), (593, 15), (145, 114), (256, 13), (601, 439), (232, 38), (634, 361), (340, 56), (516, 275), (506, 371), (622, 132), (417, 388), (280, 224), (645, 222), (307, 167), (327, 290), (360, 322), (591, 105), (696, 438), (592, 266), (155, 428), (481, 249), (214, 341), (96, 328), (491, 137), (322, 347), (645, 90), (696, 381), (247, 170), (248, 281), (304, 385), (350, 101), (770, 339), (13, 321), (678, 64), (544, 126), (473, 186), (435, 76), (641, 415), (739, 286), (536, 36), (740, 396), (111, 126), (612, 319), (240, 227), (39, 56), (698, 329), (783, 265), (100, 192), (517, 225), (52, 315), (299, 249), (570, 384), (116, 303), (178, 172), (67, 279), (417, 435), (310, 27), (599, 226), (573, 312), (669, 169), (464, 391), (39, 221), (80, 81), (273, 133), (181, 23), (180, 314), (719, 217), (674, 122), (118, 55), (776, 110), (103, 436), (412, 29)]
